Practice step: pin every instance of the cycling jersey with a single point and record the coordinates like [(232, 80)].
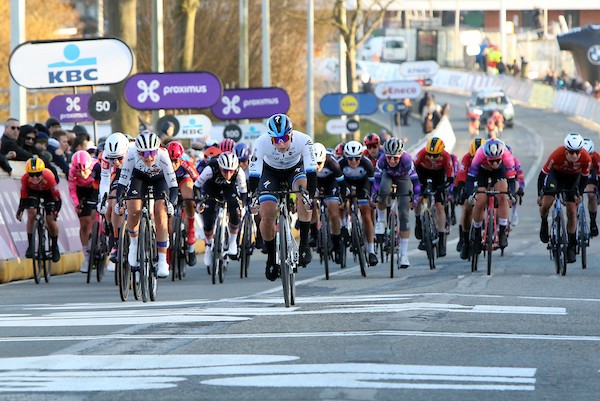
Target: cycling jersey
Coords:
[(558, 161), (160, 175), (213, 175), (76, 181), (361, 177), (463, 168), (441, 163), (47, 189), (405, 168), (186, 170), (371, 159), (330, 177), (480, 160)]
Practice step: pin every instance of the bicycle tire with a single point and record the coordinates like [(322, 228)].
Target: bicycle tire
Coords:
[(582, 236), (474, 256), (123, 268), (324, 239), (153, 258), (563, 266), (392, 236), (36, 261), (144, 257), (357, 240), (343, 251), (175, 244), (555, 244), (93, 250), (104, 251), (246, 245), (489, 239), (216, 249), (45, 246), (283, 265), (428, 238)]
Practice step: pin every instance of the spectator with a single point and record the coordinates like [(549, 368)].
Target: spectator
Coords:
[(80, 130), (81, 142), (58, 145), (9, 145), (52, 124), (166, 132), (516, 70), (501, 67), (523, 67), (28, 141)]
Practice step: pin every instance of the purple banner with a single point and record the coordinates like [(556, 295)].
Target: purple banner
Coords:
[(70, 108), (173, 90), (240, 104)]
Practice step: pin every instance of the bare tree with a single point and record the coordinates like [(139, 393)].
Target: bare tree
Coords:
[(352, 22), (123, 25), (185, 15)]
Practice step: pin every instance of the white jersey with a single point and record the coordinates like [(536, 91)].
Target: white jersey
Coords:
[(208, 173), (163, 166), (107, 169), (265, 152)]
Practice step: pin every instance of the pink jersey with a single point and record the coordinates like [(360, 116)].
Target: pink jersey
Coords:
[(480, 160), (75, 180)]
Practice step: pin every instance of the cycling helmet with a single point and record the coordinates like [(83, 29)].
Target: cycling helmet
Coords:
[(353, 149), (211, 152), (228, 161), (339, 149), (320, 152), (434, 146), (574, 142), (475, 144), (493, 149), (226, 145), (81, 160), (393, 147), (35, 165), (147, 140), (175, 150), (115, 146), (371, 139), (242, 152), (279, 125), (588, 145), (210, 142)]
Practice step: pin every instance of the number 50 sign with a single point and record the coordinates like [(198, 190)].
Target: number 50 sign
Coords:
[(102, 106)]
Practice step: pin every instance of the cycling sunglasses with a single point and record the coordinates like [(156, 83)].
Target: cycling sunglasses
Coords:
[(390, 157), (434, 156), (573, 152), (120, 158), (353, 158), (373, 146), (280, 139), (148, 153), (494, 161), (39, 174)]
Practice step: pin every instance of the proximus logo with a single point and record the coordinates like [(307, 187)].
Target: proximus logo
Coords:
[(148, 91)]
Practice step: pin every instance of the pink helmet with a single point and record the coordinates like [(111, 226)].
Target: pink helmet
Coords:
[(226, 145), (81, 160)]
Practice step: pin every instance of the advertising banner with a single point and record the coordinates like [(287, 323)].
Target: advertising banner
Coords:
[(240, 104), (397, 90), (70, 108), (339, 104), (193, 126)]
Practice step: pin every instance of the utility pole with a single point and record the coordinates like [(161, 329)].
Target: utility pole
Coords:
[(158, 50), (18, 95), (310, 92), (266, 43)]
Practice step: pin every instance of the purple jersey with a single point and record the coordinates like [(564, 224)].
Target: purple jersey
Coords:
[(405, 167)]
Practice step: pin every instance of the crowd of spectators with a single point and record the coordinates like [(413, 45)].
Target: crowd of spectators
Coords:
[(49, 141), (562, 81)]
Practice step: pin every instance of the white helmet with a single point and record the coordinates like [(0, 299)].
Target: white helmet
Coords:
[(574, 142), (353, 149), (228, 161), (393, 147), (147, 140), (320, 152), (115, 146), (588, 145)]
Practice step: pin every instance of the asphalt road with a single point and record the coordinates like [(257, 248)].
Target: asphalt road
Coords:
[(522, 333)]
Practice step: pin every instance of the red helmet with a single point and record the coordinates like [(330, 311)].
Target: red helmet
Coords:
[(227, 145), (339, 149), (371, 139), (175, 150)]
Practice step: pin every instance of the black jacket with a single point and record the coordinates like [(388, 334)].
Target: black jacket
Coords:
[(7, 144)]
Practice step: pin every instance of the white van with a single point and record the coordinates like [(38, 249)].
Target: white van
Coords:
[(385, 48)]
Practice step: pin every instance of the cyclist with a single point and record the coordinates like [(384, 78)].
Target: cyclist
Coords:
[(360, 174), (567, 168), (492, 163), (283, 154), (373, 149), (330, 183), (592, 185), (222, 179), (148, 165), (498, 119), (396, 167), (84, 196), (467, 208), (520, 192), (226, 145), (433, 162), (339, 151), (242, 152), (110, 161), (211, 150), (186, 175), (39, 182)]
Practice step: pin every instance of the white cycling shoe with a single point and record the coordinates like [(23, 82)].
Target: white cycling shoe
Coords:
[(110, 267), (208, 255), (380, 227), (404, 262), (162, 270), (232, 249), (132, 255), (86, 262)]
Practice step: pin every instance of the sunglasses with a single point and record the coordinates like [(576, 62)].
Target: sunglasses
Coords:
[(120, 158), (224, 170), (30, 138), (389, 157), (14, 127), (148, 153), (573, 152), (494, 161), (280, 139), (354, 158), (373, 146), (433, 156), (35, 174)]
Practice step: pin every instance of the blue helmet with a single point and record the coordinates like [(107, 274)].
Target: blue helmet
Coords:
[(279, 125), (241, 151)]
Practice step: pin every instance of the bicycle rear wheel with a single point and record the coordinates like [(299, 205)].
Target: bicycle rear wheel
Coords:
[(489, 239), (217, 250), (582, 235), (103, 253), (38, 252), (176, 246), (93, 250), (152, 274), (393, 245), (283, 265), (472, 254), (324, 243), (245, 245), (47, 255), (358, 241), (563, 247), (123, 269), (428, 237)]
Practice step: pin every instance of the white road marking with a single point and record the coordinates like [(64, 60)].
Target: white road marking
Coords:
[(83, 373)]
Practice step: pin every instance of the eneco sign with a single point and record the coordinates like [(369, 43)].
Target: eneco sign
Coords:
[(396, 90), (58, 64)]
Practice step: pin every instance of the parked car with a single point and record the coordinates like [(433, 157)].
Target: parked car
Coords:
[(484, 101), (384, 48)]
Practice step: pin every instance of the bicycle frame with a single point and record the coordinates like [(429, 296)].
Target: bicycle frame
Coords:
[(42, 260), (558, 236)]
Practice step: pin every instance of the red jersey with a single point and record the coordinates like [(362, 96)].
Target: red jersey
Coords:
[(595, 162), (463, 168), (558, 161), (48, 183), (444, 162)]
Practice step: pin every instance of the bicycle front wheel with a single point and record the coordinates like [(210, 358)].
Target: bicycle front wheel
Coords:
[(563, 247), (217, 250), (176, 246), (393, 245), (324, 242), (582, 236), (245, 245), (283, 265), (489, 239), (144, 257), (359, 245), (93, 250), (123, 269), (428, 237), (38, 251), (47, 255), (152, 274)]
